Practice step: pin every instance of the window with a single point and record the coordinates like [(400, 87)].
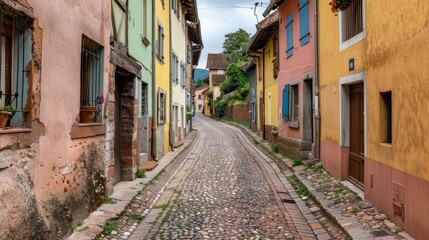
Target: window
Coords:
[(200, 96), (173, 67), (163, 4), (200, 107), (16, 54), (386, 117), (352, 20), (304, 22), (160, 43), (220, 72), (276, 59), (188, 54), (177, 69), (289, 36), (183, 74), (144, 100), (285, 108), (91, 79), (161, 106), (253, 112), (294, 103)]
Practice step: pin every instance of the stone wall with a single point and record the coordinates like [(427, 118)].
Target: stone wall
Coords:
[(238, 112)]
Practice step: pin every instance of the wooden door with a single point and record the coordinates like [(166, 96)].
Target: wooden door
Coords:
[(117, 141), (356, 155)]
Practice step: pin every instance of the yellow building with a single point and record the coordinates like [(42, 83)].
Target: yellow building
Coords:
[(374, 104), (217, 65), (162, 76), (263, 48)]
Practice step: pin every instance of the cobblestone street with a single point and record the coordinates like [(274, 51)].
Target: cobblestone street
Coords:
[(225, 194), (221, 186)]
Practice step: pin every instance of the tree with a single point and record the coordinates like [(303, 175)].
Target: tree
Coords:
[(235, 44), (236, 79)]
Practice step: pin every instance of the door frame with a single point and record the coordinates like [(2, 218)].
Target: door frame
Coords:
[(345, 108)]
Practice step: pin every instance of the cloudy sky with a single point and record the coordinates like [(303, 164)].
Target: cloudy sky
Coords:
[(219, 17)]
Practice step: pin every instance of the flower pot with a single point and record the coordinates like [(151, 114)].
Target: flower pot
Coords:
[(87, 114), (4, 117)]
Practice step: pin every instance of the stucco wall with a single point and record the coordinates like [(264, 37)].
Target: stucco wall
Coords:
[(294, 67), (271, 88), (162, 74), (199, 101)]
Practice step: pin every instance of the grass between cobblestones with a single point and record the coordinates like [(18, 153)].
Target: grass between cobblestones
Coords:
[(109, 201), (110, 226), (228, 119)]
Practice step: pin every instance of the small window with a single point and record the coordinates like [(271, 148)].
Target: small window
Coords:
[(352, 20), (294, 103), (145, 24), (220, 72), (289, 36), (91, 81), (160, 43), (285, 107), (144, 100), (161, 106), (386, 117), (200, 107), (276, 59)]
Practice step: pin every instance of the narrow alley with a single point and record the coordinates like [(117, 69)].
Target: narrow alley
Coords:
[(220, 187)]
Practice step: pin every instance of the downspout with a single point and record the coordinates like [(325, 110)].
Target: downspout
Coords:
[(316, 83), (154, 97), (170, 124)]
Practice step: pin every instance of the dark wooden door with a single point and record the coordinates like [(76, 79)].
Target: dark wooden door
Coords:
[(356, 155), (117, 141)]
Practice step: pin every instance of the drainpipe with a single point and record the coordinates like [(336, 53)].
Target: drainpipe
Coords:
[(154, 97), (170, 124), (316, 83)]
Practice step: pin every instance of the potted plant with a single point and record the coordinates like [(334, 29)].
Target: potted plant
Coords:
[(5, 114), (339, 5), (87, 113)]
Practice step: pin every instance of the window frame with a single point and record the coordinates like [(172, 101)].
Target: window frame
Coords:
[(95, 78), (344, 44), (294, 106), (162, 108)]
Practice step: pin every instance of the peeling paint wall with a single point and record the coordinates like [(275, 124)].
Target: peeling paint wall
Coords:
[(49, 182)]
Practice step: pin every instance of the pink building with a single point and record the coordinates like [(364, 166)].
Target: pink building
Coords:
[(199, 98), (296, 76)]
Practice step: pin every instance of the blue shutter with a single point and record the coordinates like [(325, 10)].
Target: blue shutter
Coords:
[(304, 22), (286, 102), (289, 36)]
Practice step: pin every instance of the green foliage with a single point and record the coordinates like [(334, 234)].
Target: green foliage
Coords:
[(199, 84), (297, 162), (220, 106), (235, 44), (11, 109), (162, 206), (109, 201), (141, 173), (136, 217), (274, 148), (110, 226), (236, 79)]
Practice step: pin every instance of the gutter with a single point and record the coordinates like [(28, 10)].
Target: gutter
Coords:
[(170, 124), (316, 83), (154, 97)]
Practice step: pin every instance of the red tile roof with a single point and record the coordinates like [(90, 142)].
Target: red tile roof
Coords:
[(218, 79), (216, 61)]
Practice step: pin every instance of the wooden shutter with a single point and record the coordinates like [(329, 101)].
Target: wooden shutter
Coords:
[(289, 36), (286, 90), (304, 22)]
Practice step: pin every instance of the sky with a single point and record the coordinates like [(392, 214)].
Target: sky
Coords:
[(219, 17)]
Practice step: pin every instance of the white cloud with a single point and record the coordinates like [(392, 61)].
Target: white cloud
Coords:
[(216, 22)]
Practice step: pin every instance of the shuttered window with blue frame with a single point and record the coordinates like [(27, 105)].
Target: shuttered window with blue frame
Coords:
[(289, 36), (285, 111), (304, 22)]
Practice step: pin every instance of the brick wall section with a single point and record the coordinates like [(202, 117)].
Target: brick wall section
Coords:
[(238, 112), (289, 146)]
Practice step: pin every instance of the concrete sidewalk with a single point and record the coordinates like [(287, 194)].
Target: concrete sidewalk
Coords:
[(352, 217), (123, 193)]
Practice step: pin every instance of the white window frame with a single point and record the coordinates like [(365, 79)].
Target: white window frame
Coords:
[(359, 37)]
